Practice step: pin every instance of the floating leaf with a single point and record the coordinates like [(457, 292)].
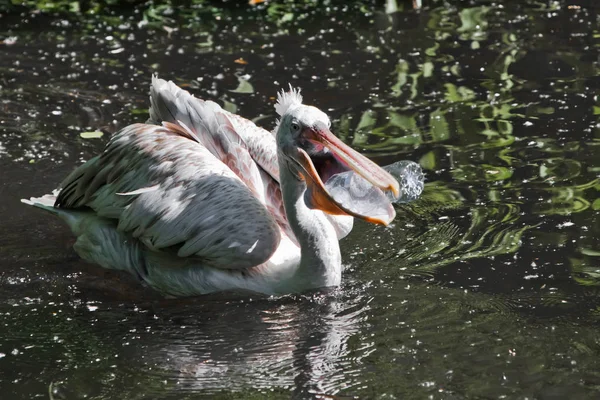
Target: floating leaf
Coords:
[(545, 110), (243, 87), (473, 19), (363, 129), (138, 111), (438, 126), (431, 51), (74, 7), (207, 43), (402, 70), (454, 94), (428, 161), (287, 17), (91, 135), (589, 252), (391, 6), (229, 106), (427, 69)]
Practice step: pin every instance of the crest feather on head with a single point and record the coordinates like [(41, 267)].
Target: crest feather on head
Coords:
[(286, 100)]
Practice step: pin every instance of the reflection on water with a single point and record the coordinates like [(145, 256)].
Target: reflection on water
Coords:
[(488, 286), (297, 344)]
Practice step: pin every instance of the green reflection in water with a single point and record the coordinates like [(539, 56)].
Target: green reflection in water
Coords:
[(497, 104)]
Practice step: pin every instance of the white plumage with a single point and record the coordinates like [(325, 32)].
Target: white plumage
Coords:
[(199, 200)]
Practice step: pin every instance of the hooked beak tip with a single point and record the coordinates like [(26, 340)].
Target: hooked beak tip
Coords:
[(395, 188)]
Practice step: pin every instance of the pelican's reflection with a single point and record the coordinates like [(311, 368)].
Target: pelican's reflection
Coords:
[(296, 343)]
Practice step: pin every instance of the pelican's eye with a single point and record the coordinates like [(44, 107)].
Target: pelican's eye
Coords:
[(295, 127)]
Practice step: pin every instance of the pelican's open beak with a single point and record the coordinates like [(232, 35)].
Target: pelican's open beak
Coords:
[(330, 156)]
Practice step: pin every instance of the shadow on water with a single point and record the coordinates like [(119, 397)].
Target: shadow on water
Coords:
[(487, 287)]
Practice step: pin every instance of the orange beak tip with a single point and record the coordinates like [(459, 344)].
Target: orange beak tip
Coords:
[(378, 221), (395, 189)]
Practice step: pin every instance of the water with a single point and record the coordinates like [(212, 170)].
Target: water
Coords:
[(487, 287)]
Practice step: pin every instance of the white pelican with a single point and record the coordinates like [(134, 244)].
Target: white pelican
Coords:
[(199, 200)]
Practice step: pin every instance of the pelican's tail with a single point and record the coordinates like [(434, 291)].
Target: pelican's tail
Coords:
[(46, 202), (98, 240)]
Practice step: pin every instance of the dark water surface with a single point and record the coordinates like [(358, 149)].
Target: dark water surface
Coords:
[(487, 287)]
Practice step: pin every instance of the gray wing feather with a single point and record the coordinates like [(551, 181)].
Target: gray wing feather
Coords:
[(173, 194), (206, 120), (248, 150)]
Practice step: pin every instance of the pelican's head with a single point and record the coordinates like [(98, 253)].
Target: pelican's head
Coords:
[(313, 154)]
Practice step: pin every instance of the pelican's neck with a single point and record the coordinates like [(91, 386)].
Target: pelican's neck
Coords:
[(321, 261)]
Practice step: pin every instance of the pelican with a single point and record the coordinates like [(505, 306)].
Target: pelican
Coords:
[(198, 200)]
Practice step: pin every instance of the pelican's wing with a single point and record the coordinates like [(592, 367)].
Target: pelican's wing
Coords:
[(172, 193), (260, 143), (248, 150), (173, 104)]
